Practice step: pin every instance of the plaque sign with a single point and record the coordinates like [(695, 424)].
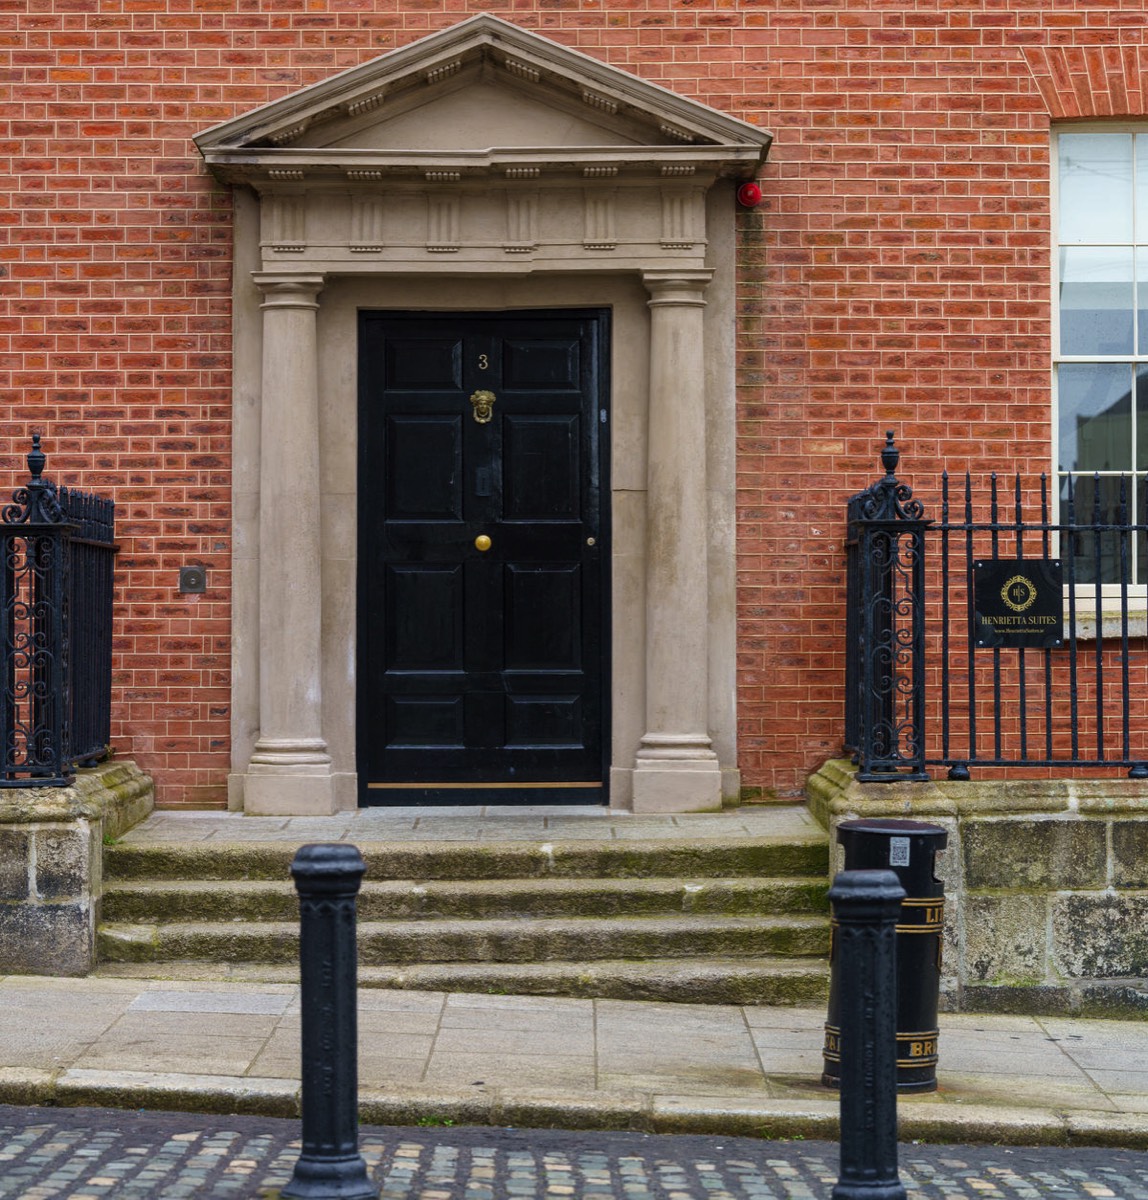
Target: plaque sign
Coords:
[(1019, 602)]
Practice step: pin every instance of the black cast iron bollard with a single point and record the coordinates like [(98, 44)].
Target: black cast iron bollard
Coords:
[(866, 905), (327, 878)]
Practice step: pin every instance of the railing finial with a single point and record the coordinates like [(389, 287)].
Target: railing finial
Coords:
[(890, 455), (36, 459)]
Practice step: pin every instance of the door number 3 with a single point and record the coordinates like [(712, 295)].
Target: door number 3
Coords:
[(483, 362)]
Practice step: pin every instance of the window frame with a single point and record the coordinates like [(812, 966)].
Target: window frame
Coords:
[(1137, 359)]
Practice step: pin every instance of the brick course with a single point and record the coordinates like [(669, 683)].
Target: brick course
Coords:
[(896, 276)]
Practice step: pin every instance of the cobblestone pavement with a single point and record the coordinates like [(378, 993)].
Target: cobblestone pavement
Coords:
[(84, 1154)]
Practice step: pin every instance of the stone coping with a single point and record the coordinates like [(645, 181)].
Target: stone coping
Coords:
[(834, 790), (115, 792)]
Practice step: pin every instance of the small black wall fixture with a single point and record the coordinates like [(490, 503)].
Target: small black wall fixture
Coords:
[(193, 580), (327, 878)]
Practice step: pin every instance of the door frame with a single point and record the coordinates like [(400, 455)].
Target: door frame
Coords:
[(371, 189), (601, 403), (330, 579)]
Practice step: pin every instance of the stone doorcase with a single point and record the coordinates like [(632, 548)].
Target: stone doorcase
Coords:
[(484, 168)]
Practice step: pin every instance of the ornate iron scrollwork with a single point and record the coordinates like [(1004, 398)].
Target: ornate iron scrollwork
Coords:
[(57, 549), (886, 627)]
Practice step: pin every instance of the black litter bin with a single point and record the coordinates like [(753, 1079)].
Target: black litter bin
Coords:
[(909, 849)]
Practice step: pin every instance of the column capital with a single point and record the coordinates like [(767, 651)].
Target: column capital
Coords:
[(685, 288), (289, 289)]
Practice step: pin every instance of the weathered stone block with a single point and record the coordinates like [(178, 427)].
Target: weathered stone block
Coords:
[(1130, 854), (46, 939), (1005, 940), (1098, 937), (64, 861), (1035, 855), (51, 853), (13, 864), (1110, 999), (1045, 999), (1034, 923)]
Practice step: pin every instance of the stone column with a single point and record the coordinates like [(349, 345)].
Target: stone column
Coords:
[(290, 769), (676, 769)]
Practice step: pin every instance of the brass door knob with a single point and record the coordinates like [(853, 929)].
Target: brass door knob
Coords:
[(482, 542)]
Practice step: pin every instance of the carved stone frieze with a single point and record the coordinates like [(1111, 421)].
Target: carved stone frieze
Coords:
[(600, 212), (443, 213), (367, 214), (285, 222), (682, 218), (521, 222)]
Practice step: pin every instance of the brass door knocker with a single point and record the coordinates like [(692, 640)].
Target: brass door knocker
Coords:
[(483, 406)]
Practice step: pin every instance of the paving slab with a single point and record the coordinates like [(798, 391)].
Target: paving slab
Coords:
[(224, 1047)]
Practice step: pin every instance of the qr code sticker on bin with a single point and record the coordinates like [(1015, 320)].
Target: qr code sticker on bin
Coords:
[(899, 852)]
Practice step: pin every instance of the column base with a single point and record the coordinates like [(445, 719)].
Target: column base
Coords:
[(288, 795), (289, 777), (295, 795), (676, 774)]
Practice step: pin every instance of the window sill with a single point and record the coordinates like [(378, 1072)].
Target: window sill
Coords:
[(1110, 625)]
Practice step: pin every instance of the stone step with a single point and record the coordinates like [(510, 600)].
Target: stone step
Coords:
[(569, 939), (156, 901), (686, 858), (765, 980)]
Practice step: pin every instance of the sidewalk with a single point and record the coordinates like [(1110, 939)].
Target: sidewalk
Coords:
[(436, 1058)]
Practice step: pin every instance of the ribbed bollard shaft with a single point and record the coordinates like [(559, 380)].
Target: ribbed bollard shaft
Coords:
[(866, 905), (327, 878)]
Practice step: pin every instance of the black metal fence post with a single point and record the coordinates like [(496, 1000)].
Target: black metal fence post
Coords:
[(885, 651), (865, 909), (327, 878)]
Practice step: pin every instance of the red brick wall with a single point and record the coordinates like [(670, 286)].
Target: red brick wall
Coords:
[(896, 276)]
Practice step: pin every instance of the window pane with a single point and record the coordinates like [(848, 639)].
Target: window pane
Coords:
[(1142, 187), (1095, 187), (1142, 418), (1142, 296), (1095, 300), (1098, 554), (1095, 405)]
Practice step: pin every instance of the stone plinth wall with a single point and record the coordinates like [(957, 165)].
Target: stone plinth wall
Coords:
[(1046, 885), (51, 854)]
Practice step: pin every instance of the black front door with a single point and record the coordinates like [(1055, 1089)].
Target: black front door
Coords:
[(482, 558)]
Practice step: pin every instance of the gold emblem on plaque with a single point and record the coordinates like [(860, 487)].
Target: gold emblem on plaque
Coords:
[(483, 402), (1019, 593)]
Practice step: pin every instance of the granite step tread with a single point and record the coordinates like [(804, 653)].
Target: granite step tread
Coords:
[(704, 980), (719, 857), (483, 940), (161, 900)]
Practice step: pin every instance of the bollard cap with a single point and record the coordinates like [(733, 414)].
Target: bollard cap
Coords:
[(328, 867), (863, 896)]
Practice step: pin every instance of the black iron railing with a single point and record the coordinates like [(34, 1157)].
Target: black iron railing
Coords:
[(55, 630), (1035, 652)]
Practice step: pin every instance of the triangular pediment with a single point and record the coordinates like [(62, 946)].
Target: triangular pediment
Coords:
[(481, 95), (474, 116)]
